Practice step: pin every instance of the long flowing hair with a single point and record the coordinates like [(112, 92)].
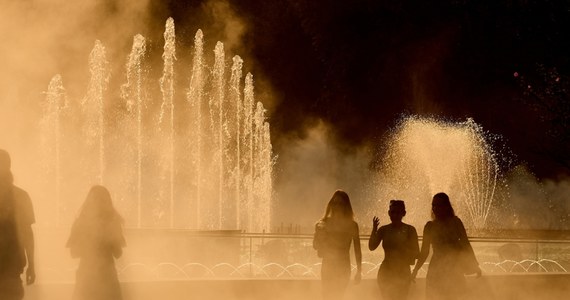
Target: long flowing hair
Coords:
[(98, 207), (445, 208), (339, 206)]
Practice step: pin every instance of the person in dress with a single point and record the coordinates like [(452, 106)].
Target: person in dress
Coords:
[(400, 244), (452, 253), (334, 234), (97, 240)]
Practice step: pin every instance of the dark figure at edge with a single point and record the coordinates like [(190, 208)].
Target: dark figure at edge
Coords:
[(16, 235), (97, 239), (400, 243), (452, 253), (334, 234)]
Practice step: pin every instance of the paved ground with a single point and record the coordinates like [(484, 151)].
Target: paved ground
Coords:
[(519, 287)]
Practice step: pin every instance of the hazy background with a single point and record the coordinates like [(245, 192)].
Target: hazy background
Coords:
[(335, 77)]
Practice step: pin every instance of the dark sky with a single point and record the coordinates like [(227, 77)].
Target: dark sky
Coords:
[(360, 65)]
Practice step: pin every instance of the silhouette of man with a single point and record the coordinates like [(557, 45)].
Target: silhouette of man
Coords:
[(16, 235)]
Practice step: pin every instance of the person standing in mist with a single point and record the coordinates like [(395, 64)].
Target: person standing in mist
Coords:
[(400, 243), (16, 235), (97, 239), (334, 233), (453, 255)]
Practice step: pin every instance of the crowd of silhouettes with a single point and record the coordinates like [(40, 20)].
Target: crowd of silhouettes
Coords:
[(453, 256), (97, 239)]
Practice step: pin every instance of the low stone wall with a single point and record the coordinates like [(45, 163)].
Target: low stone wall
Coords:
[(519, 287)]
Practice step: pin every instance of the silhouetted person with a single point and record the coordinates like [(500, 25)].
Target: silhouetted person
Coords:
[(97, 239), (333, 235), (452, 253), (400, 243), (16, 235)]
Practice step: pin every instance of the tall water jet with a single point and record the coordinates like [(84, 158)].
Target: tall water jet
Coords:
[(93, 105), (50, 140), (247, 148), (234, 132), (262, 178), (132, 93), (427, 156), (208, 163), (195, 97), (217, 116), (167, 111)]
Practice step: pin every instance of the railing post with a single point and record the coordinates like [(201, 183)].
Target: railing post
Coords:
[(536, 256), (250, 256)]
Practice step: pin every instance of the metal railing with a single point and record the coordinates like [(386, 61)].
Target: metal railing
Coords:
[(192, 255)]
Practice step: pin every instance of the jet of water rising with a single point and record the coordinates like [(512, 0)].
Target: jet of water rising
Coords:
[(218, 137), (427, 156), (132, 92), (194, 97), (51, 136), (167, 88), (93, 104)]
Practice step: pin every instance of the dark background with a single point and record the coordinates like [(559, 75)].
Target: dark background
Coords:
[(361, 65)]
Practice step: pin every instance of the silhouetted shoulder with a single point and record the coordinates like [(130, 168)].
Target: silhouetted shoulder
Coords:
[(457, 220), (24, 206), (428, 227), (355, 226), (410, 228)]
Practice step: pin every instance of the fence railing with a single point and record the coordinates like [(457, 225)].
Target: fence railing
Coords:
[(192, 255)]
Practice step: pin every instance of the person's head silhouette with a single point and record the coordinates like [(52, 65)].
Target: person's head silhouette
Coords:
[(396, 210), (339, 206), (5, 162), (5, 165), (441, 207), (98, 205)]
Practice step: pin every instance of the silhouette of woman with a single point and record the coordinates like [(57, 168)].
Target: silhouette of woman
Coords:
[(452, 253), (400, 243), (333, 235), (97, 239)]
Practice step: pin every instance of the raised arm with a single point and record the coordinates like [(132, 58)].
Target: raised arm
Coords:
[(424, 252), (357, 253), (375, 236)]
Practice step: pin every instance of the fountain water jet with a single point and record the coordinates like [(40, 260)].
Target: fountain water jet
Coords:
[(50, 133), (428, 156), (202, 162)]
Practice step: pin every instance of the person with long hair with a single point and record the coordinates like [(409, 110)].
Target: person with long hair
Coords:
[(97, 240), (334, 233), (400, 243), (453, 255), (16, 235)]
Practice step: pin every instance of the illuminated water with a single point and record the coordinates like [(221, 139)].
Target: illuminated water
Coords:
[(426, 156), (197, 157)]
